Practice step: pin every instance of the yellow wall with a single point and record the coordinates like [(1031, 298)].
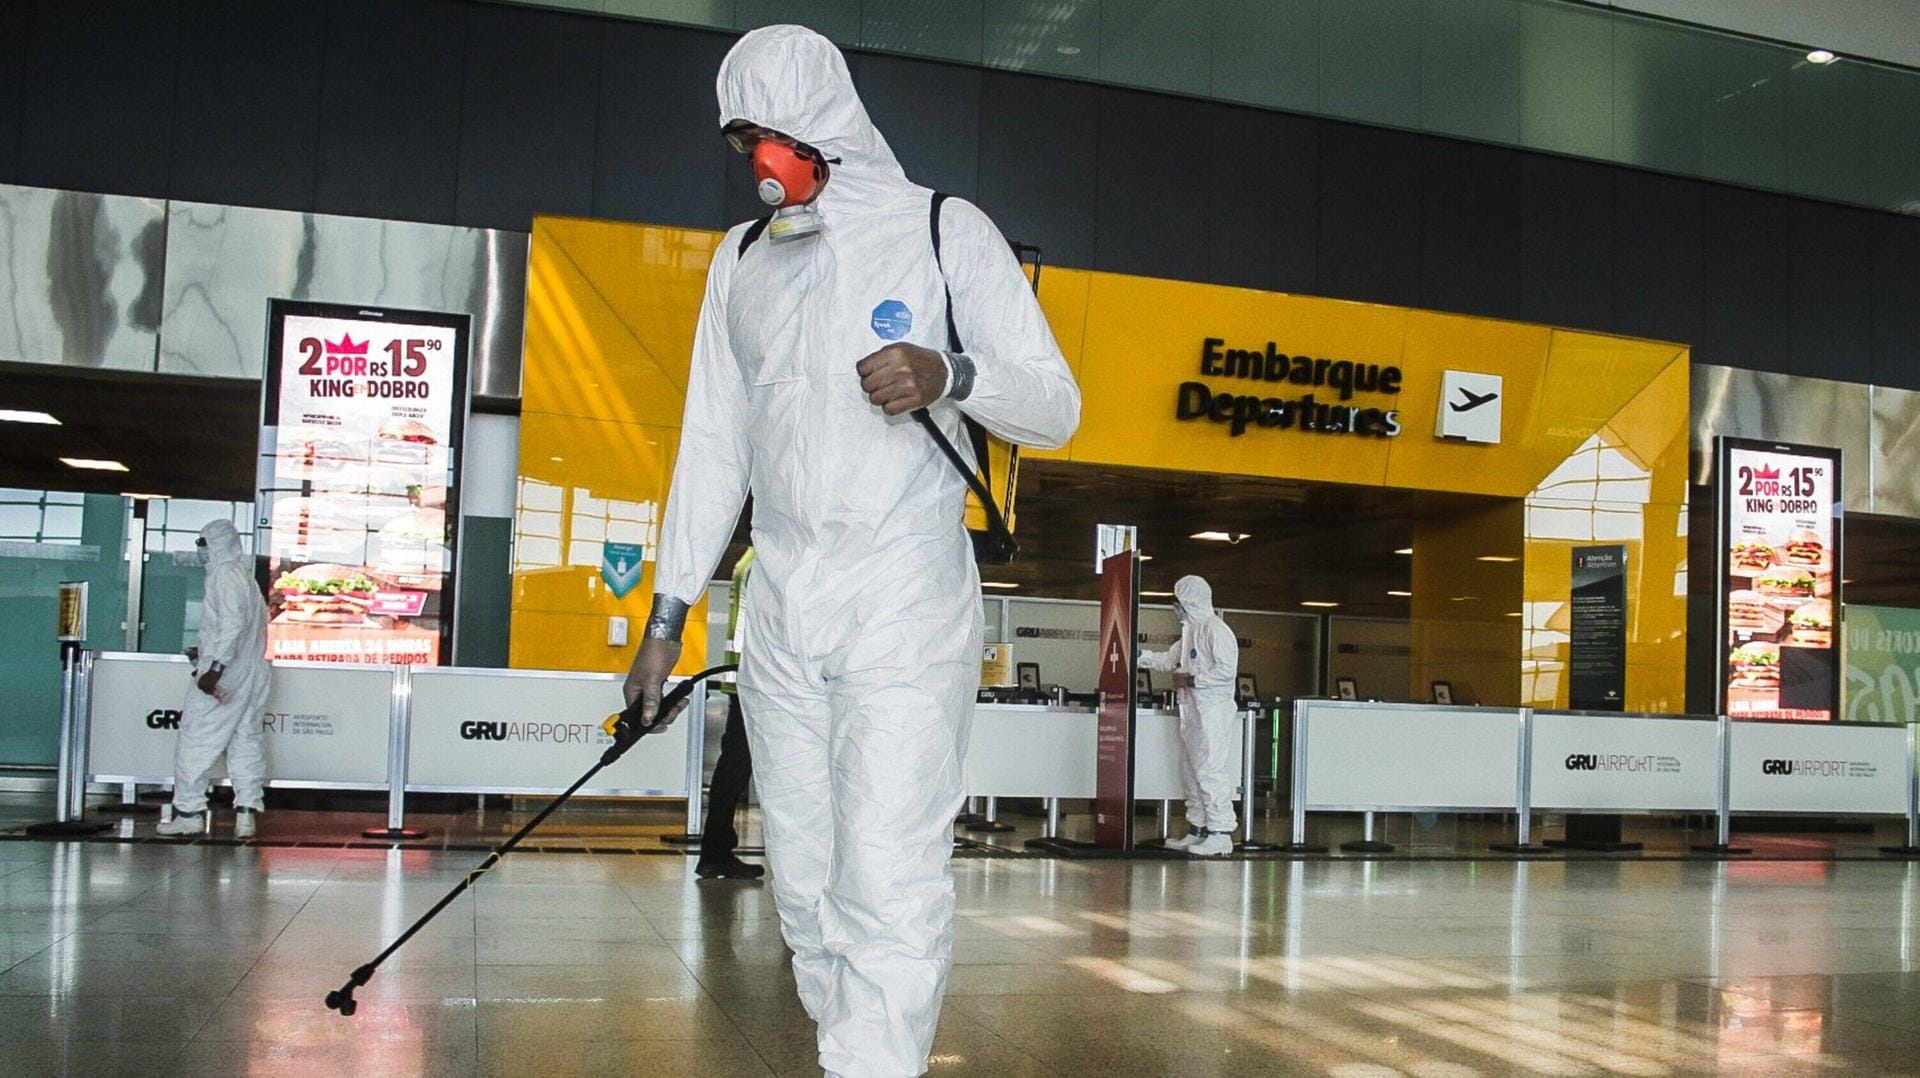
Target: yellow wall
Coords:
[(610, 316), (1593, 446)]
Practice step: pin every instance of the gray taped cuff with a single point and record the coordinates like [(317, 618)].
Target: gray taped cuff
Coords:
[(667, 620), (960, 372)]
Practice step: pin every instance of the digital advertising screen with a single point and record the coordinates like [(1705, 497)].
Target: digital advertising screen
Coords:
[(358, 504), (1780, 579)]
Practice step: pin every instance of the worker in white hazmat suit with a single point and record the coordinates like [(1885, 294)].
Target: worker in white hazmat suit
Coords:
[(230, 681), (862, 651), (1204, 667)]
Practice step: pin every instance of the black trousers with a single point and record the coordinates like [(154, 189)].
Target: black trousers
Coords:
[(718, 838)]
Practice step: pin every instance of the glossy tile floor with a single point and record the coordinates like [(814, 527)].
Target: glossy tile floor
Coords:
[(204, 960)]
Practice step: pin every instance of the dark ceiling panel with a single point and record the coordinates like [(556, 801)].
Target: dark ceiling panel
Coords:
[(182, 437)]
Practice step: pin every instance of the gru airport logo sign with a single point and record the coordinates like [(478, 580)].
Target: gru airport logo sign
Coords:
[(1302, 393)]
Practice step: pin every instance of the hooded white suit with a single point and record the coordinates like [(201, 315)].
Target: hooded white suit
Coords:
[(863, 638), (1211, 653), (233, 632)]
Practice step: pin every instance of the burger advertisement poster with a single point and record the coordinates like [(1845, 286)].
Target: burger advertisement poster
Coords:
[(359, 449), (1781, 577)]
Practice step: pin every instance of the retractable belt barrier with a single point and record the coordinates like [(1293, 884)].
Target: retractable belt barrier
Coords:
[(1371, 757), (426, 729)]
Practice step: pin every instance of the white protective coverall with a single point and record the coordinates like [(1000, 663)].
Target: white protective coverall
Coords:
[(1211, 653), (862, 653), (233, 632)]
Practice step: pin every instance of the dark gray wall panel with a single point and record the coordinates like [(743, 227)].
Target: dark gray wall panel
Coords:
[(98, 101), (1151, 200), (1656, 256), (1896, 303), (1038, 140), (532, 92), (246, 129), (930, 115), (1566, 242), (390, 109), (1370, 214), (1831, 291), (1470, 234), (659, 154), (1263, 169), (1744, 253), (16, 21)]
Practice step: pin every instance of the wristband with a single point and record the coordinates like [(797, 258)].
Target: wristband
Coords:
[(667, 620), (960, 373)]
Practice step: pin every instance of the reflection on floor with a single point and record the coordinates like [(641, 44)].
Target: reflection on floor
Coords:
[(204, 960), (629, 827)]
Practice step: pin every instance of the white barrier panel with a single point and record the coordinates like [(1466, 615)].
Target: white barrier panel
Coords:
[(1025, 750), (526, 731), (1157, 754), (1624, 763), (1409, 756), (1818, 767), (325, 725)]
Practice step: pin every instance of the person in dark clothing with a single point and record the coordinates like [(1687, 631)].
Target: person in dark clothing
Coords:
[(718, 837)]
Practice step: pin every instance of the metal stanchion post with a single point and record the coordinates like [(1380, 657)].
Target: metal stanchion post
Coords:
[(1723, 794), (1366, 843), (1166, 820), (1053, 818), (696, 714), (399, 734), (989, 823), (1912, 848), (1523, 794), (1298, 813), (70, 780)]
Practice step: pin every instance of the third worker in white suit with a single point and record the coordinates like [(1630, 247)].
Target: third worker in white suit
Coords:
[(1204, 665), (862, 653)]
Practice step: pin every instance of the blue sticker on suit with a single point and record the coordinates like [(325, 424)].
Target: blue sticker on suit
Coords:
[(892, 320)]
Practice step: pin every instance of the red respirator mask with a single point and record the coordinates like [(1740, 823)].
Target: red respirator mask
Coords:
[(789, 178)]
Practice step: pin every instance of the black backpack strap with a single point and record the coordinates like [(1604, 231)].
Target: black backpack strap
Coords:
[(760, 225), (979, 477)]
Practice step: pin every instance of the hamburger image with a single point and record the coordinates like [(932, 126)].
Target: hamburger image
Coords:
[(411, 431), (323, 594), (1756, 665), (1751, 555), (1812, 624), (1785, 583), (413, 543), (1748, 610), (1804, 548)]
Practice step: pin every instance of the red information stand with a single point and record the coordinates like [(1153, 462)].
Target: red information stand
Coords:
[(1113, 785)]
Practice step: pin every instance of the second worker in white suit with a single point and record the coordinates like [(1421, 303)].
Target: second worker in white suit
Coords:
[(1205, 666), (862, 653)]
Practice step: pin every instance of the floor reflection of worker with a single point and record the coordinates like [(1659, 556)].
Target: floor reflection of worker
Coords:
[(1204, 668), (718, 836)]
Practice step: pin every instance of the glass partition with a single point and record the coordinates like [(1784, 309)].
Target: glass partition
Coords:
[(47, 537)]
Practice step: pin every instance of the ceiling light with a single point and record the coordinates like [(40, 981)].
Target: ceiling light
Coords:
[(997, 584), (93, 465), (14, 415), (1821, 56), (1404, 550), (1219, 537), (1401, 594), (1321, 604), (1513, 613), (1146, 557), (1501, 558), (143, 497), (1067, 50), (1156, 594), (1462, 598)]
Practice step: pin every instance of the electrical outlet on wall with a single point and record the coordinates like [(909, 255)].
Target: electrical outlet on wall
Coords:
[(616, 632)]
